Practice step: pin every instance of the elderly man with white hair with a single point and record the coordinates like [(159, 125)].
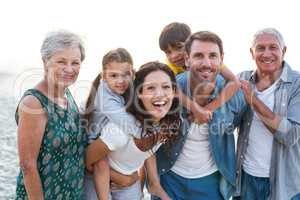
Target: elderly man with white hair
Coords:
[(268, 155)]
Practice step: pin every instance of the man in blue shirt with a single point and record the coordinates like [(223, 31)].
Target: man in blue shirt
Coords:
[(200, 164)]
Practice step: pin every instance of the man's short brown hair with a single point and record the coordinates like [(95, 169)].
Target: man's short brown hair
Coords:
[(204, 36)]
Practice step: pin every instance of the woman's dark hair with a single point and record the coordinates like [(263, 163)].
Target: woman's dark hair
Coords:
[(119, 55), (170, 124)]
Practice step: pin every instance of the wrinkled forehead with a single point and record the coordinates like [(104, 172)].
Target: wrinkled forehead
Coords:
[(266, 39)]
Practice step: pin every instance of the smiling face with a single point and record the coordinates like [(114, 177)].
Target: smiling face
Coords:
[(62, 68), (267, 54), (204, 61), (157, 94), (118, 76), (175, 54)]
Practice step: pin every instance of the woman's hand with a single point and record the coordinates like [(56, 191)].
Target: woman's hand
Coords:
[(119, 180), (157, 190)]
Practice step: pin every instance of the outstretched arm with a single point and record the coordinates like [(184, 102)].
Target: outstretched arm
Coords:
[(228, 91), (200, 114)]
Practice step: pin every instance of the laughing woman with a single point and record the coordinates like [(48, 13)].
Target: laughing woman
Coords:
[(50, 144), (153, 110)]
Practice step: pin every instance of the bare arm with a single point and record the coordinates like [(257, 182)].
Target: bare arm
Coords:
[(123, 180), (228, 91), (142, 176), (154, 183), (201, 114), (270, 119), (31, 127)]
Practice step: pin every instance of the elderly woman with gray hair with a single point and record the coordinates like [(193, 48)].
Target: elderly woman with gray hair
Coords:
[(50, 143)]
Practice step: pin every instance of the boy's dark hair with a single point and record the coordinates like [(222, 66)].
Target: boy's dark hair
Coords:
[(172, 34), (204, 36)]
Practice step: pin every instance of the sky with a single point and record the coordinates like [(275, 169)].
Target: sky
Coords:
[(136, 25)]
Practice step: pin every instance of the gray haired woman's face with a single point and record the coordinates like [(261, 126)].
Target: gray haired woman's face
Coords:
[(62, 68)]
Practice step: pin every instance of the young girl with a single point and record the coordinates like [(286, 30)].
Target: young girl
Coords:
[(105, 104), (154, 90)]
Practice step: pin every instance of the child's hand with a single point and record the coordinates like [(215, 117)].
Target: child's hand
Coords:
[(201, 115), (157, 190)]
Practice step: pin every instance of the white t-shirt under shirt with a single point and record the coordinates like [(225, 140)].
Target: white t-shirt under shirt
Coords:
[(195, 159), (258, 154), (125, 157)]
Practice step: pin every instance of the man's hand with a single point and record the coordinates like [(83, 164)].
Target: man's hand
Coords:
[(248, 92)]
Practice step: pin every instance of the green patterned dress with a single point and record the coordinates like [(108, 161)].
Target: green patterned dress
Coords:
[(61, 157)]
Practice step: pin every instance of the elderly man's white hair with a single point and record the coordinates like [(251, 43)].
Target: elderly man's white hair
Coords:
[(270, 31)]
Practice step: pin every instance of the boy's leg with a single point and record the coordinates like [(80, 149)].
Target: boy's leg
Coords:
[(102, 179)]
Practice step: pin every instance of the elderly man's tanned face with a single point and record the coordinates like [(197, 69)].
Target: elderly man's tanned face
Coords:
[(267, 53)]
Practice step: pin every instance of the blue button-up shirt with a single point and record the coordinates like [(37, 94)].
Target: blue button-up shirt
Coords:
[(285, 158), (221, 137)]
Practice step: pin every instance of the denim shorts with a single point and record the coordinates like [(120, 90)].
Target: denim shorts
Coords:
[(180, 188)]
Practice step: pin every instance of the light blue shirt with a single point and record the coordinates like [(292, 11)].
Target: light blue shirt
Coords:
[(285, 158), (110, 107)]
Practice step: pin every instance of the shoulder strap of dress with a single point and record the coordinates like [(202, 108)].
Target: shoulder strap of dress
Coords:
[(71, 101)]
